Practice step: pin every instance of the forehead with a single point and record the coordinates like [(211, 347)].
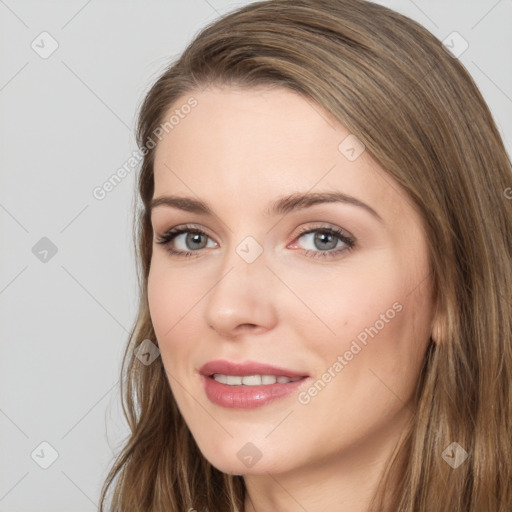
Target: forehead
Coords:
[(254, 144), (267, 122)]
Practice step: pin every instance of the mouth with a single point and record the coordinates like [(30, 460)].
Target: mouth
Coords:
[(248, 385)]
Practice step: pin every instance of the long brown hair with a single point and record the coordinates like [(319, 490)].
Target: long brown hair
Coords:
[(422, 118)]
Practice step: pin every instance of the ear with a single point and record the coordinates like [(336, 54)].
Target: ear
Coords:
[(437, 330)]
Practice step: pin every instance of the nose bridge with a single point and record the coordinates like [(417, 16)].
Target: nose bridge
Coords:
[(242, 293)]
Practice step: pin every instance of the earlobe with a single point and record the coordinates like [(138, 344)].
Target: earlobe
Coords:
[(436, 334)]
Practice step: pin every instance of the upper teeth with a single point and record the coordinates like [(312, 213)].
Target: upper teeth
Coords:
[(251, 380)]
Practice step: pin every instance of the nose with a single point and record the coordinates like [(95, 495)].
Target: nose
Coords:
[(242, 299)]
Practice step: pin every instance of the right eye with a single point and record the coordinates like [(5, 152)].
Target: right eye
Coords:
[(190, 237)]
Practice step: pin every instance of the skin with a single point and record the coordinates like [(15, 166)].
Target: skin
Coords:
[(238, 150)]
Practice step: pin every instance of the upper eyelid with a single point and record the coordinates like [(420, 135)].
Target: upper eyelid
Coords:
[(193, 227)]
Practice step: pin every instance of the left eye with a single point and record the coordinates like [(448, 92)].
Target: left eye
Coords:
[(325, 242), (322, 239)]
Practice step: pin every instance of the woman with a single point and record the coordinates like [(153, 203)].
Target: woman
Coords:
[(369, 374)]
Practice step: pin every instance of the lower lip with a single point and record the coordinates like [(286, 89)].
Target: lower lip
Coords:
[(247, 397)]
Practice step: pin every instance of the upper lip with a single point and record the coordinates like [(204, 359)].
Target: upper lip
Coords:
[(247, 368)]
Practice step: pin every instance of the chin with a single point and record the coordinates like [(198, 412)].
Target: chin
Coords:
[(244, 460)]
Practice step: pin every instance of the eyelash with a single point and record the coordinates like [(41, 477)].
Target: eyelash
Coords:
[(170, 235)]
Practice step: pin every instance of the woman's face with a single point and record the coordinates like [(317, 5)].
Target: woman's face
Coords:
[(288, 274)]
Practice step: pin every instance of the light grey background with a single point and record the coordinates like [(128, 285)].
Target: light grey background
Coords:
[(66, 126)]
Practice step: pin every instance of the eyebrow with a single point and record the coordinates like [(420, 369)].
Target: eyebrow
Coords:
[(281, 206)]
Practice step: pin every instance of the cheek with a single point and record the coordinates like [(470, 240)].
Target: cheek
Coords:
[(387, 338), (348, 299), (378, 315), (174, 299), (160, 300), (171, 298), (168, 308)]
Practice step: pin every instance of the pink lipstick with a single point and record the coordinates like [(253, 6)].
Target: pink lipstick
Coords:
[(247, 385)]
